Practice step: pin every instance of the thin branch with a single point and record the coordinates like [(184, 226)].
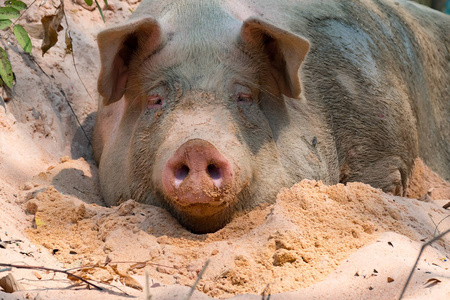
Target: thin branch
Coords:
[(417, 260), (147, 262), (147, 287), (52, 270), (78, 74), (120, 262), (75, 115), (266, 290), (436, 229), (199, 277)]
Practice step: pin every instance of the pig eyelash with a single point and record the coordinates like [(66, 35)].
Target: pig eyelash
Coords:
[(154, 101), (244, 98), (272, 97)]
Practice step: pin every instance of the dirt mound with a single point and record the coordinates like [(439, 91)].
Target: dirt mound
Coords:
[(292, 244), (424, 181)]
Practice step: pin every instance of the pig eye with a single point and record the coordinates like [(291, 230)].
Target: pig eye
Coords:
[(242, 94), (244, 98), (154, 101)]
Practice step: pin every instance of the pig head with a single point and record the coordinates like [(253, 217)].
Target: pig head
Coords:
[(189, 117)]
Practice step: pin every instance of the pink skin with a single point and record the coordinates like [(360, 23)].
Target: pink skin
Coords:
[(154, 101), (197, 174)]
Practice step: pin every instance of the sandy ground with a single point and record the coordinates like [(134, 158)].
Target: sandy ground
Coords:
[(316, 241)]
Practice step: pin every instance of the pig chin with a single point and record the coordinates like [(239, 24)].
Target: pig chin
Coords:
[(203, 218)]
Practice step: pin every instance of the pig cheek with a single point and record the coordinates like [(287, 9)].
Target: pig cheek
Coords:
[(248, 118), (145, 151)]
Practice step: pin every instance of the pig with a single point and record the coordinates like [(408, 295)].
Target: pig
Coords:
[(208, 108)]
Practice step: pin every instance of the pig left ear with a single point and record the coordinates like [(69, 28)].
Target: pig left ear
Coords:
[(118, 46), (285, 50)]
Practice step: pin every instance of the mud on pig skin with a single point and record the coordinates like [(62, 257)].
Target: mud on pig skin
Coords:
[(210, 107)]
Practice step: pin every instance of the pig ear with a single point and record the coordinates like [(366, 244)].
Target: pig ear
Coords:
[(117, 46), (285, 50)]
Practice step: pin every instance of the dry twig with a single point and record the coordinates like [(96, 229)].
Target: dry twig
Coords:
[(52, 270), (199, 277), (417, 260)]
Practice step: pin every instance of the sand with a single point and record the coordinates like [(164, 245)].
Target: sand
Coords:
[(315, 241)]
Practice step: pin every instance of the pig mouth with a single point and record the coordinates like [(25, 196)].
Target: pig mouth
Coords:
[(206, 200)]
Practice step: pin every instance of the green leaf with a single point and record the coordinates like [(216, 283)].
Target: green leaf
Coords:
[(88, 2), (19, 5), (5, 24), (100, 10), (8, 13), (6, 72), (106, 2), (23, 38)]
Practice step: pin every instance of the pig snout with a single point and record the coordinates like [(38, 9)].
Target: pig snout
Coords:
[(198, 175)]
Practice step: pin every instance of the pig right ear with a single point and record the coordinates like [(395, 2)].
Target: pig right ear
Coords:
[(285, 51), (117, 46)]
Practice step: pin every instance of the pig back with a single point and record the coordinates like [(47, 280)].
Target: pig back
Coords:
[(380, 72)]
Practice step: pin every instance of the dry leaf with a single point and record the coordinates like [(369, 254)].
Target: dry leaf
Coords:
[(9, 284), (68, 39), (34, 30), (130, 282), (52, 25), (138, 265), (82, 273), (127, 279), (98, 272), (434, 264), (38, 276), (38, 222), (427, 197), (433, 280), (73, 278)]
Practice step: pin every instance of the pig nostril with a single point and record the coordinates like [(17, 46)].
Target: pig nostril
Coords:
[(214, 172), (180, 174)]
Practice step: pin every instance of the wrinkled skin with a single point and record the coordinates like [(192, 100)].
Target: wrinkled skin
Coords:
[(210, 107)]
